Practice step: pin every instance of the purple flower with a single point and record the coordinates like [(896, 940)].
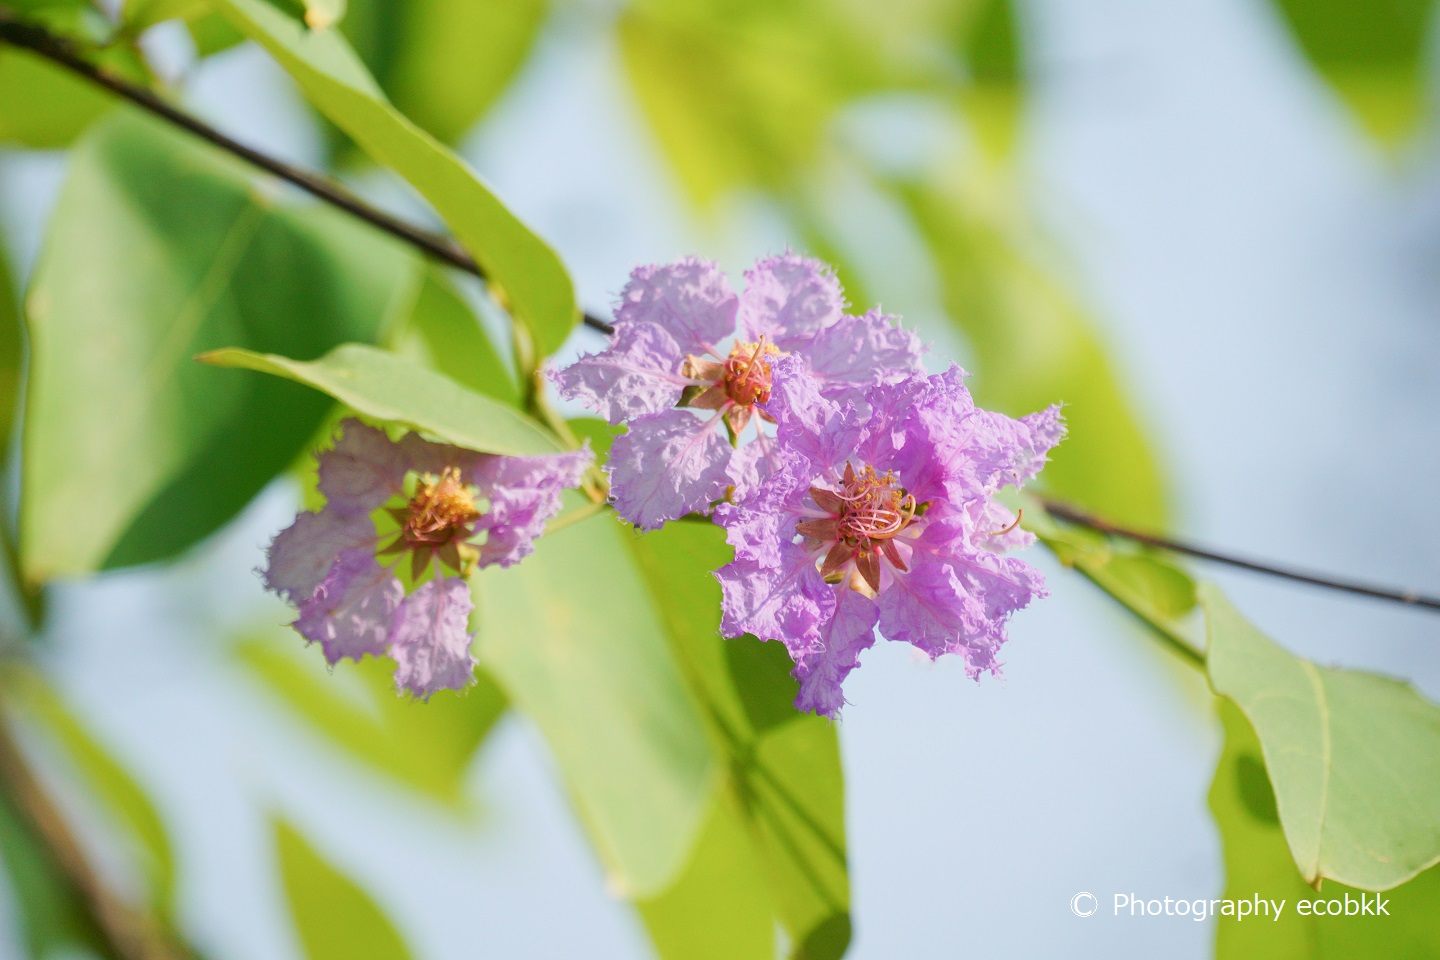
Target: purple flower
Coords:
[(689, 356), (406, 512), (879, 511)]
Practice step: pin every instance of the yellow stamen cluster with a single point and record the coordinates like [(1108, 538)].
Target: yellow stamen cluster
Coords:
[(864, 516), (437, 522)]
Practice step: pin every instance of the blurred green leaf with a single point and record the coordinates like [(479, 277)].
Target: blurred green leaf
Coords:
[(990, 46), (444, 62), (381, 385), (1354, 758), (12, 349), (1372, 53), (427, 746), (334, 918), (139, 15), (44, 106), (442, 333), (157, 250), (1257, 862), (573, 637), (52, 916), (116, 793), (1034, 346), (334, 80), (783, 773)]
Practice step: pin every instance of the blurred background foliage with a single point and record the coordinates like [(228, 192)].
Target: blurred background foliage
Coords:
[(703, 793)]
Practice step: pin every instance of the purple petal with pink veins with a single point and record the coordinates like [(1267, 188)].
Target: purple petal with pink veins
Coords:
[(637, 374), (667, 465), (858, 351), (349, 613), (430, 638), (843, 638), (363, 470), (785, 601), (523, 494), (690, 299), (302, 554), (789, 299)]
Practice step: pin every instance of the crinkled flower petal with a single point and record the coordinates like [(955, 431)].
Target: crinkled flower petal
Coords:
[(302, 554), (523, 493), (690, 299), (667, 465), (363, 470), (848, 633), (430, 638), (858, 351), (788, 299), (637, 374), (786, 601), (349, 613)]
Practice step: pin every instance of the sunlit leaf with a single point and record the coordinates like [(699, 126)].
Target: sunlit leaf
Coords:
[(573, 637), (11, 353), (334, 80), (386, 387), (42, 105), (1372, 53), (428, 746), (118, 795), (1354, 758), (132, 451), (442, 333), (1258, 863), (1034, 345), (334, 918)]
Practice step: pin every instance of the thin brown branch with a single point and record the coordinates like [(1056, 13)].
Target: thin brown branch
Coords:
[(57, 50), (1073, 515), (129, 933)]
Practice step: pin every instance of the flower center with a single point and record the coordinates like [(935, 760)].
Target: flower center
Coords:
[(747, 372), (861, 520), (437, 521)]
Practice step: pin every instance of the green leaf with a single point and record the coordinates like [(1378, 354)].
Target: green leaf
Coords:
[(1373, 54), (335, 81), (1034, 346), (1354, 758), (1257, 863), (573, 637), (443, 334), (52, 914), (133, 452), (44, 106), (334, 918), (107, 782), (11, 353), (783, 772), (426, 746), (381, 385), (444, 62)]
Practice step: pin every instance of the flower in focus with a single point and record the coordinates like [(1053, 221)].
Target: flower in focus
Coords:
[(690, 357), (383, 567), (880, 511)]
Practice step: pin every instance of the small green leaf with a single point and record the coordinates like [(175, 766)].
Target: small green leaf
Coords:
[(132, 451), (44, 106), (335, 81), (381, 385), (573, 637), (1258, 863), (1354, 758), (107, 782), (443, 334), (334, 918)]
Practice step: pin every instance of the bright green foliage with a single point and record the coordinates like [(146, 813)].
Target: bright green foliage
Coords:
[(336, 83), (381, 385), (1373, 54), (573, 637), (1257, 861), (782, 776), (1035, 345), (42, 105), (443, 62), (1354, 757), (443, 334), (425, 746), (132, 451), (106, 782), (334, 918)]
